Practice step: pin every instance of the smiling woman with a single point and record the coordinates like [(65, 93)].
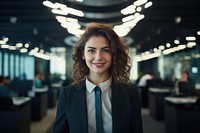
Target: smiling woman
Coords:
[(98, 57), (101, 98), (96, 34)]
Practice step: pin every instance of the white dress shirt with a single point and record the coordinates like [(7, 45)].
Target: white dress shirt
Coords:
[(143, 80), (106, 106)]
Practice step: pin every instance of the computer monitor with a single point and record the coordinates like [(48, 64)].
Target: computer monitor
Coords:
[(22, 87), (187, 88), (154, 83), (167, 83)]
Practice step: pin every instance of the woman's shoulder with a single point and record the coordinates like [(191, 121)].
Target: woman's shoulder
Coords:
[(68, 87), (131, 87), (72, 87)]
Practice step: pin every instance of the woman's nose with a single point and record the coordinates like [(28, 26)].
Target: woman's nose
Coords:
[(98, 55)]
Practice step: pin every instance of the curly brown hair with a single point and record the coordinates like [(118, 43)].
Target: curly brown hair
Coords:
[(121, 62)]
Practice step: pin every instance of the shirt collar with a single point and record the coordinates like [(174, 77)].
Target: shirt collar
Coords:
[(104, 86)]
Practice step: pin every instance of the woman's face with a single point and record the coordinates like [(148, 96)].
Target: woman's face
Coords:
[(97, 55), (184, 76)]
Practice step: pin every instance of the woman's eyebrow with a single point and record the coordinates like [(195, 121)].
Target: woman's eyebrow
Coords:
[(105, 47), (91, 47)]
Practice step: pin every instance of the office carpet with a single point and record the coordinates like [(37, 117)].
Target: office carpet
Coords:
[(150, 125), (44, 125)]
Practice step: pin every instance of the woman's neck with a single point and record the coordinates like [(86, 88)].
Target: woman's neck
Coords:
[(97, 79)]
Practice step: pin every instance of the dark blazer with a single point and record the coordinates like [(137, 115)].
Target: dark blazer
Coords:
[(72, 110)]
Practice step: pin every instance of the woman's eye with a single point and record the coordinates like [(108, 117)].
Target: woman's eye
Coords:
[(91, 51), (106, 51)]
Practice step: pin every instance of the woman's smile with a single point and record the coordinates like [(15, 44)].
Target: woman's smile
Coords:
[(99, 64)]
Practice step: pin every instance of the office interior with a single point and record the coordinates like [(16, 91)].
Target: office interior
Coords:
[(38, 36)]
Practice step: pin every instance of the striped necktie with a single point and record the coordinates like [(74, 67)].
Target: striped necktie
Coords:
[(99, 121)]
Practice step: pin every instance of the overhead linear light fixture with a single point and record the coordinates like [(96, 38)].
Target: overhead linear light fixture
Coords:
[(40, 53), (177, 41), (198, 33), (191, 44), (79, 0), (144, 56), (161, 47), (124, 28), (19, 45), (76, 32), (58, 8), (12, 48), (155, 50), (158, 52), (4, 40), (73, 20), (148, 4), (23, 50), (43, 56), (59, 11), (136, 6), (169, 51), (61, 19), (128, 18), (190, 38), (128, 10), (181, 47), (49, 4), (5, 46), (70, 25), (75, 12), (73, 27), (140, 2), (174, 49)]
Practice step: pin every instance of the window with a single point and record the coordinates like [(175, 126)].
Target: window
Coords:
[(6, 69), (1, 63), (17, 66), (29, 66), (58, 62), (12, 66), (22, 67)]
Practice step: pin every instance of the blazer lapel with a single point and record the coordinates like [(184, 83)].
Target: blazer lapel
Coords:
[(81, 107), (116, 108)]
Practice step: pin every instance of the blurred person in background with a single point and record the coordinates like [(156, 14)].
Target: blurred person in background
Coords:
[(7, 81), (143, 80), (39, 80), (185, 76), (3, 90)]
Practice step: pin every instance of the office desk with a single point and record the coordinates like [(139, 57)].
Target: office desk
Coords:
[(52, 97), (39, 104), (53, 94), (17, 118), (57, 86), (156, 102), (143, 91), (181, 116)]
